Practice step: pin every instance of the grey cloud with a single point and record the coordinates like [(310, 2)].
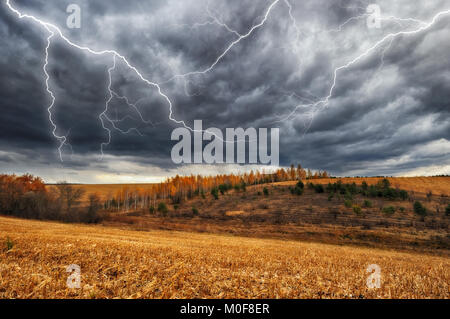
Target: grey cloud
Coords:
[(365, 128)]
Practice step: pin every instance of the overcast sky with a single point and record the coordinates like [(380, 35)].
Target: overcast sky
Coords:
[(388, 113)]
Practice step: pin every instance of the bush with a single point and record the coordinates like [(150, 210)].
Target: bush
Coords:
[(403, 194), (384, 183), (162, 208), (357, 210), (298, 189), (348, 195), (330, 197), (9, 244), (447, 210), (388, 211), (367, 203), (259, 193), (194, 211), (364, 186), (151, 209), (215, 193), (223, 188), (319, 188), (381, 189), (266, 191), (402, 209), (419, 209), (348, 203)]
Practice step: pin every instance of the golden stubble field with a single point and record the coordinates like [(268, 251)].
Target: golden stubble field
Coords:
[(438, 185), (164, 264)]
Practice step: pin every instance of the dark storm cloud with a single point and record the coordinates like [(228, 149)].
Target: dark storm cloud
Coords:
[(380, 114)]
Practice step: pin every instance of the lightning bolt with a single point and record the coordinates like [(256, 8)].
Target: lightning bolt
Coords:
[(230, 46), (53, 31), (61, 138), (391, 36)]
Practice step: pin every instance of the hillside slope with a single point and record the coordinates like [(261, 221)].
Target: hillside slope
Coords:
[(319, 217)]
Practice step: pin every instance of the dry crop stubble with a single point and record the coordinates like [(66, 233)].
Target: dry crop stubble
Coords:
[(165, 264)]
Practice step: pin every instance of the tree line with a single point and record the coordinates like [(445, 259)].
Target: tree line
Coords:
[(27, 196), (181, 188)]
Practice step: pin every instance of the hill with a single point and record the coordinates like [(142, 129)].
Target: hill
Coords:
[(328, 217)]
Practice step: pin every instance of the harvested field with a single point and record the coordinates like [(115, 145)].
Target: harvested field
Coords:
[(167, 264), (436, 185)]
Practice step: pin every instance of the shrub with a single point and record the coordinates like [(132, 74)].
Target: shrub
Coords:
[(403, 194), (162, 208), (176, 206), (259, 193), (310, 185), (348, 203), (367, 203), (388, 211), (194, 211), (419, 209), (384, 183), (331, 188), (402, 209), (381, 189), (447, 210), (319, 188), (223, 188), (298, 189), (330, 197), (364, 185), (357, 210), (215, 193), (9, 244), (151, 209), (348, 195), (266, 191)]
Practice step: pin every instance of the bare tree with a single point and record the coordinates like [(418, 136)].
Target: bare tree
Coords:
[(94, 207), (69, 195)]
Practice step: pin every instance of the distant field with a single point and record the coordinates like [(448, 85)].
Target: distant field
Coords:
[(105, 190), (166, 264), (437, 185)]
